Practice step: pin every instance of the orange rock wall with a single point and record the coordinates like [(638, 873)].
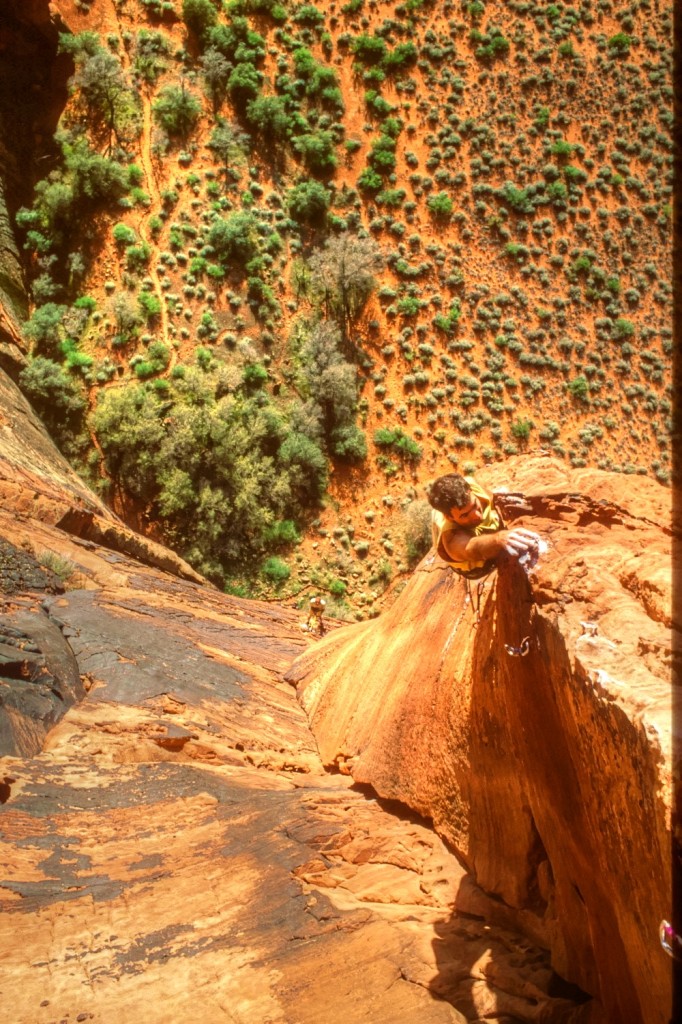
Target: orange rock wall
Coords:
[(549, 773)]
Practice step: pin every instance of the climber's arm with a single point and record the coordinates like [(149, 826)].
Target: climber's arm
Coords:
[(462, 547)]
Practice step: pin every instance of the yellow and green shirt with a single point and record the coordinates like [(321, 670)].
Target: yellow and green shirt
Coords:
[(491, 523)]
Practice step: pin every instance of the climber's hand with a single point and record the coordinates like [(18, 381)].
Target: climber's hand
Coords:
[(519, 542)]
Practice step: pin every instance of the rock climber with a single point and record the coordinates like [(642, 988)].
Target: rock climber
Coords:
[(314, 623), (468, 531)]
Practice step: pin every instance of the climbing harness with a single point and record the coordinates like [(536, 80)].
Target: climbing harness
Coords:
[(521, 651)]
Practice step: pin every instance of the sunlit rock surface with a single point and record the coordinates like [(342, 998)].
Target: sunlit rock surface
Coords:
[(170, 845), (550, 773)]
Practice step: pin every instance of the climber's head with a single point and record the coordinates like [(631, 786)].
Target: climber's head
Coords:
[(452, 495)]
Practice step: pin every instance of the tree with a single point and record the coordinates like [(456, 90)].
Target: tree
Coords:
[(177, 111), (244, 84), (101, 82), (130, 429), (215, 70), (45, 327), (349, 443), (229, 144), (55, 396), (94, 178), (308, 201), (440, 205), (332, 387), (343, 272), (268, 116), (200, 16), (234, 239), (317, 151)]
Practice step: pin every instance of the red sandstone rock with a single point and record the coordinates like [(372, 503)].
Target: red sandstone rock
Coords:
[(550, 773), (177, 851)]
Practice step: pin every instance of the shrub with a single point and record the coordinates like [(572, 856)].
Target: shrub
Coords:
[(349, 443), (619, 44), (54, 395), (254, 375), (579, 388), (382, 155), (416, 526), (623, 329), (137, 257), (308, 202), (177, 110), (440, 205), (268, 116), (199, 16), (408, 306), (275, 570), (123, 235), (44, 326), (244, 84), (521, 429), (308, 14), (234, 239), (369, 49), (317, 151), (282, 533), (149, 305), (399, 442)]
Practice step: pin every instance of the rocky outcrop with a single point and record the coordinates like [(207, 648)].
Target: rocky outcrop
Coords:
[(32, 95), (171, 843), (549, 772)]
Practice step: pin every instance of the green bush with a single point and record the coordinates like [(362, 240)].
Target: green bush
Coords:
[(382, 156), (244, 84), (579, 388), (369, 49), (408, 306), (308, 202), (308, 14), (282, 534), (440, 205), (254, 375), (349, 443), (268, 116), (275, 570), (56, 397), (177, 111), (619, 44), (123, 235), (317, 151), (137, 257), (399, 442), (449, 322), (150, 305), (44, 327), (370, 181), (521, 428), (623, 329), (199, 16), (234, 239)]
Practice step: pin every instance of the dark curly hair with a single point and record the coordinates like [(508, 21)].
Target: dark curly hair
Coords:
[(449, 491)]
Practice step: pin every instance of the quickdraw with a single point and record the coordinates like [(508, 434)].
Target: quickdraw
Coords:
[(670, 940), (521, 651), (474, 597)]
